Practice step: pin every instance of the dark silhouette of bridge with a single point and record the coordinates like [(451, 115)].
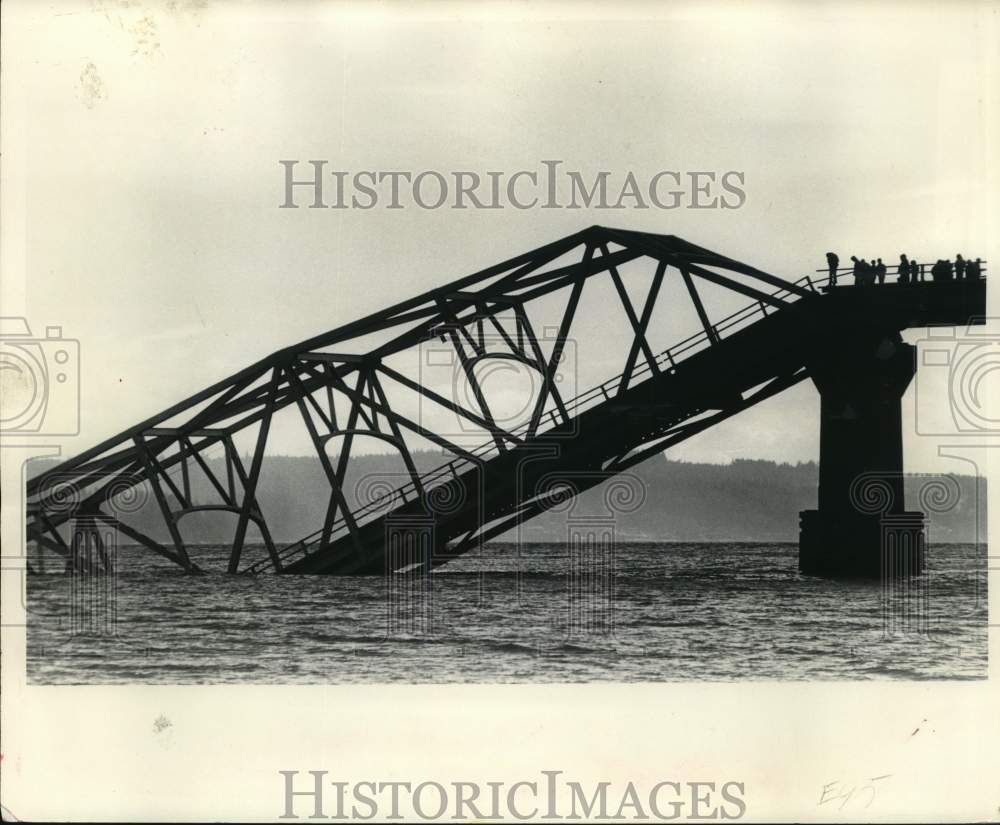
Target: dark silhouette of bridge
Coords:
[(351, 383)]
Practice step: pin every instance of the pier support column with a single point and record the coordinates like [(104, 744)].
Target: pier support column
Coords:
[(861, 528)]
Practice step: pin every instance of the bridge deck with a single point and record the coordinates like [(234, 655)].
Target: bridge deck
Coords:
[(700, 382)]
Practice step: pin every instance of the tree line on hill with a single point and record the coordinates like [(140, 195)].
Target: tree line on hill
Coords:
[(659, 500)]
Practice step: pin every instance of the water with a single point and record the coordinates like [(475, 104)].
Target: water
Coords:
[(677, 612)]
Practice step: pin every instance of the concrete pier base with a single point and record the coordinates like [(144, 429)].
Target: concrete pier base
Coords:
[(862, 528), (866, 547)]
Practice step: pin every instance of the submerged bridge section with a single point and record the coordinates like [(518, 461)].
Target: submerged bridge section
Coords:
[(370, 379)]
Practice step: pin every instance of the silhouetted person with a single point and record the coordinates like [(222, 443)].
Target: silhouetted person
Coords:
[(880, 271), (859, 270), (870, 273), (867, 272), (960, 265), (832, 261), (941, 271), (916, 272), (974, 269), (903, 269)]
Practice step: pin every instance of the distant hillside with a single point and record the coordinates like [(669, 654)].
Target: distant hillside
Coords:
[(745, 501)]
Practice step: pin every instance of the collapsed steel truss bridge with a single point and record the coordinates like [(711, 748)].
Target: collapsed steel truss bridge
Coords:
[(352, 382)]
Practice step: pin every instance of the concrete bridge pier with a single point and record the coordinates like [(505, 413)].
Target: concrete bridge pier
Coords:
[(862, 528)]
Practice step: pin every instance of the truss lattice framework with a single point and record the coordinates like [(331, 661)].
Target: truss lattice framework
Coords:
[(483, 315)]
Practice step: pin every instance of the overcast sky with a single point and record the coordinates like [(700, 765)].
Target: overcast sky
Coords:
[(141, 175)]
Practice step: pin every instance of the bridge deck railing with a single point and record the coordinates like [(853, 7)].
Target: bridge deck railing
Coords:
[(893, 269), (666, 362)]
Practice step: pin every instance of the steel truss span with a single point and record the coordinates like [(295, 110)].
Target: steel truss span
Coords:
[(357, 382)]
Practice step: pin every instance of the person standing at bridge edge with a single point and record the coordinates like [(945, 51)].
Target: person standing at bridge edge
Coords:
[(859, 270), (880, 272), (903, 270), (959, 267), (916, 272), (833, 262)]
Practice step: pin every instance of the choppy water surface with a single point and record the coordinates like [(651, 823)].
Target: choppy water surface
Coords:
[(677, 612)]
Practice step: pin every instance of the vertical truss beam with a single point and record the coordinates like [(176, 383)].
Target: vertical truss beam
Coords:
[(250, 484)]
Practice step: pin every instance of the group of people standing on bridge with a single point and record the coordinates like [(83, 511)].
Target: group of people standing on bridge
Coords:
[(874, 271)]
